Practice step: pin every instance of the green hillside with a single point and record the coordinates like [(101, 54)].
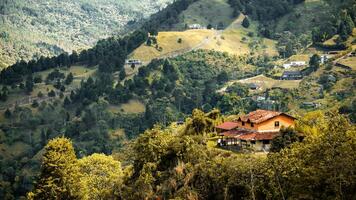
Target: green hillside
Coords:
[(155, 121), (30, 29), (204, 12)]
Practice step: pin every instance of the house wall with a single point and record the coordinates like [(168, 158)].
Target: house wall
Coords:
[(269, 125), (259, 146), (246, 126)]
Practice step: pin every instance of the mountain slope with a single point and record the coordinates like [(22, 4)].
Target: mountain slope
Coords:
[(39, 28)]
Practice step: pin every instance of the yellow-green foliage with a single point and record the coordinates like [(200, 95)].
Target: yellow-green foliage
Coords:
[(168, 165), (201, 123), (58, 172), (167, 41), (325, 159), (99, 176)]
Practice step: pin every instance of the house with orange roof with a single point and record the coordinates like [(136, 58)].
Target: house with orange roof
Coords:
[(255, 130)]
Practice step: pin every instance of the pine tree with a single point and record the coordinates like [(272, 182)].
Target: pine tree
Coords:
[(66, 102), (51, 94), (43, 137), (29, 84), (69, 79), (315, 62), (246, 22), (7, 114), (122, 74)]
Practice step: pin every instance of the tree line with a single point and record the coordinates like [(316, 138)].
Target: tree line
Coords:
[(110, 53)]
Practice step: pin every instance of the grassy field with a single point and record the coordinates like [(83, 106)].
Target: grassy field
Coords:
[(168, 41), (350, 62), (299, 57), (205, 12), (132, 107), (234, 40), (264, 83)]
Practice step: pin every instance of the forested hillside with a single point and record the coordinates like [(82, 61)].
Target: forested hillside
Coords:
[(33, 28), (176, 163), (60, 114)]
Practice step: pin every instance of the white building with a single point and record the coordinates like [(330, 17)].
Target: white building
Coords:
[(294, 64), (195, 26)]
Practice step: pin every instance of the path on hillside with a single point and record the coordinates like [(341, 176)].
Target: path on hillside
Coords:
[(230, 83)]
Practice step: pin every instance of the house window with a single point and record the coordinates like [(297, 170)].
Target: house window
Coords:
[(265, 141), (243, 123), (252, 125), (276, 124), (253, 142)]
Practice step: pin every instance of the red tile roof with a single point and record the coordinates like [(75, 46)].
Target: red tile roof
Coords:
[(260, 116), (234, 133), (227, 125), (259, 136), (249, 135)]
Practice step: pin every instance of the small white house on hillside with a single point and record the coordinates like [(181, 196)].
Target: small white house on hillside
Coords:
[(294, 64)]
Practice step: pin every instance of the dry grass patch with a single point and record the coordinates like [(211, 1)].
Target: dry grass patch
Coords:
[(168, 41), (266, 83), (132, 107), (350, 62)]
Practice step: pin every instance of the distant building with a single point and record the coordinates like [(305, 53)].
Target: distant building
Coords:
[(254, 130), (307, 105), (264, 103), (195, 26), (324, 58), (294, 64), (133, 61), (292, 75)]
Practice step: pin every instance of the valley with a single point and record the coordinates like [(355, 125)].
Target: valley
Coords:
[(157, 106)]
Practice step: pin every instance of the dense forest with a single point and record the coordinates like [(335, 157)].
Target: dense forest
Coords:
[(31, 29), (67, 133)]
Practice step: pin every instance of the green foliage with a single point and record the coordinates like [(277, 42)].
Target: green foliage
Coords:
[(69, 79), (36, 28), (238, 89), (288, 136), (122, 74), (29, 84), (289, 44), (51, 93), (246, 22), (7, 114), (314, 62)]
